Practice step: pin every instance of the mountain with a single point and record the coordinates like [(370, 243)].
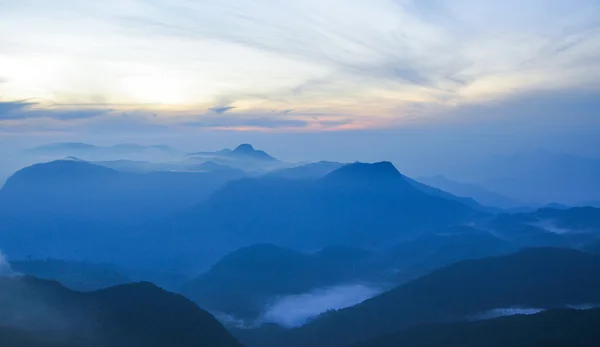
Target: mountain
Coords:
[(137, 166), (576, 220), (88, 189), (244, 157), (50, 207), (536, 278), (592, 203), (554, 328), (137, 314), (307, 171), (572, 227), (539, 177), (63, 148), (419, 256), (247, 151), (429, 190), (480, 194), (358, 205), (244, 151), (242, 283), (11, 337), (210, 166), (80, 276), (130, 151)]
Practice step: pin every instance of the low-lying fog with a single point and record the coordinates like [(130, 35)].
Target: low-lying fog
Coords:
[(296, 310)]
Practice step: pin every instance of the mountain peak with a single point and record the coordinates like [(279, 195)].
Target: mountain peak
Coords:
[(247, 151), (381, 176), (244, 148), (374, 171)]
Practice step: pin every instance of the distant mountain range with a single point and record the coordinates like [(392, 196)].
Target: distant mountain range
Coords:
[(364, 205), (243, 157), (84, 189), (78, 148), (243, 151), (542, 278), (137, 314), (80, 276), (539, 177), (480, 194), (49, 207)]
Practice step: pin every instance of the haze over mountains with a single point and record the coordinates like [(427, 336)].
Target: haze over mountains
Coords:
[(310, 254)]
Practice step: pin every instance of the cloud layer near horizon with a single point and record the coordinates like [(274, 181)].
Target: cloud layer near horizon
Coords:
[(306, 65)]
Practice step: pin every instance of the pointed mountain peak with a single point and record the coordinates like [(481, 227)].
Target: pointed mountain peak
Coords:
[(247, 150)]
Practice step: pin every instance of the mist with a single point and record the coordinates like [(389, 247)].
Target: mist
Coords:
[(5, 269), (509, 311), (296, 310)]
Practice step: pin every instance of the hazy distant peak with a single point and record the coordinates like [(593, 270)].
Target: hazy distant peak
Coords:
[(265, 253), (66, 146), (64, 171), (71, 158), (244, 148), (248, 151)]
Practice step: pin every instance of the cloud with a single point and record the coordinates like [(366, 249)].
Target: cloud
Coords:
[(221, 109), (296, 310), (5, 269), (241, 121), (19, 110), (503, 312)]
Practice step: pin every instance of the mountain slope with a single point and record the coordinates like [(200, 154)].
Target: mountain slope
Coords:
[(555, 328), (11, 337), (138, 314), (360, 205), (81, 276), (541, 278), (89, 189), (307, 171), (480, 194), (244, 281), (58, 208)]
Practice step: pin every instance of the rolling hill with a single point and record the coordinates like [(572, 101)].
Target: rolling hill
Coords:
[(543, 278), (138, 314), (554, 328), (242, 283)]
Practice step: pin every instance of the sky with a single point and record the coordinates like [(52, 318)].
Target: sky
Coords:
[(315, 79)]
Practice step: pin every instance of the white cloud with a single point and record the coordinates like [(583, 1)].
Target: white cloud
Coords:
[(375, 58), (296, 310)]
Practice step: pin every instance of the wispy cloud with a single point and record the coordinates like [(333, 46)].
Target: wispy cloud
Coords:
[(381, 62), (19, 110), (221, 109)]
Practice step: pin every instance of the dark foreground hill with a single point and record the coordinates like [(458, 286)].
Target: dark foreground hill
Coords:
[(138, 314), (554, 328), (80, 276), (12, 337), (536, 278)]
